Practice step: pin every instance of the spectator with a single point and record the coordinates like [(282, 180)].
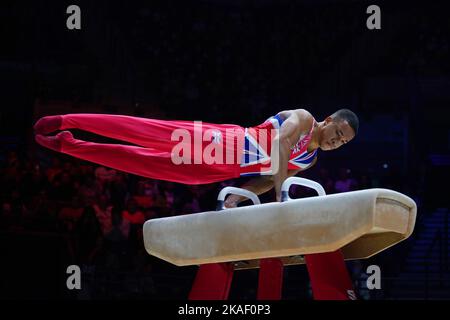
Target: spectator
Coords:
[(133, 214), (103, 213), (88, 237), (89, 191), (54, 169), (70, 214), (119, 190), (136, 219), (62, 187), (120, 227)]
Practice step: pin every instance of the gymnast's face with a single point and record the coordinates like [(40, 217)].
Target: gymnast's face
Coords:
[(335, 133)]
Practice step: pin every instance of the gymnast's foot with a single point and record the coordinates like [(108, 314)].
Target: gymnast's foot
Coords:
[(48, 124), (53, 142)]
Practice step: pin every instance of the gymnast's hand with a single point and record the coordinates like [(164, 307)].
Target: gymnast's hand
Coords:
[(231, 202)]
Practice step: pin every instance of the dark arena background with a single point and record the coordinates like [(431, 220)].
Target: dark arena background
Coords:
[(219, 61)]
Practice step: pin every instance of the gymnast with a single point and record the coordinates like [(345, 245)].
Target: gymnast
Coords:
[(164, 149)]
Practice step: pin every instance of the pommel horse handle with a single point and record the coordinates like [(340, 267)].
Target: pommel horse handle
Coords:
[(233, 190), (302, 182)]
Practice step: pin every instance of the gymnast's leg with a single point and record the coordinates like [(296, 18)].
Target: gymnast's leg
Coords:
[(145, 132), (146, 162), (140, 131)]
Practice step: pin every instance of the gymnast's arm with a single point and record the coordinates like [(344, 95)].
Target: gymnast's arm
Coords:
[(296, 122), (259, 186)]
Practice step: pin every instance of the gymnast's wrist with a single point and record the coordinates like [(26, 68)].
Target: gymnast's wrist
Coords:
[(233, 200)]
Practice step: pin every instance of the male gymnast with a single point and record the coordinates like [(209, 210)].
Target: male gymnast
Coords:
[(192, 152)]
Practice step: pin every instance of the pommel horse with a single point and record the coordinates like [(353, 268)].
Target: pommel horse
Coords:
[(321, 232)]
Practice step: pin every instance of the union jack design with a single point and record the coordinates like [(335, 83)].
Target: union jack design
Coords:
[(257, 147)]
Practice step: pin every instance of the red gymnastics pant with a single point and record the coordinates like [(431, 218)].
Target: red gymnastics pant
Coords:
[(150, 156)]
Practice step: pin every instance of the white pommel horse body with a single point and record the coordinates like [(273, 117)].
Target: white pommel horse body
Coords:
[(320, 231)]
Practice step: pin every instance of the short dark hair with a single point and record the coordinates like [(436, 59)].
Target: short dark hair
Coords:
[(349, 116)]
